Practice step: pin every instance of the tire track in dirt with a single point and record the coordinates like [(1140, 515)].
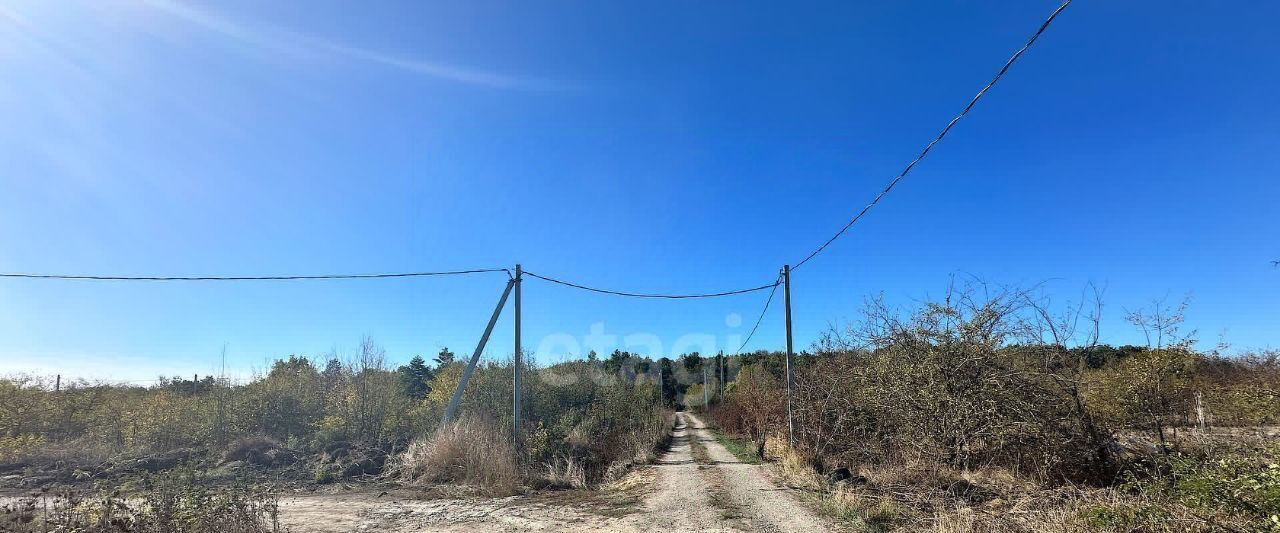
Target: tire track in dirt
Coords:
[(770, 507), (365, 513), (713, 492), (682, 499)]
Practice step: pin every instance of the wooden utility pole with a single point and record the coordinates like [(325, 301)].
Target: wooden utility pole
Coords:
[(57, 383), (516, 377), (791, 381)]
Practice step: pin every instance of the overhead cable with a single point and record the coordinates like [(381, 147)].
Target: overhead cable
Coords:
[(648, 295), (937, 138), (761, 317), (254, 278)]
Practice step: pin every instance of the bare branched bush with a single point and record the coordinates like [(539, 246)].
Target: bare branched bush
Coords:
[(758, 400), (969, 381), (995, 410)]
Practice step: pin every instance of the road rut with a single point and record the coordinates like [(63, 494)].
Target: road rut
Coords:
[(677, 495), (769, 506)]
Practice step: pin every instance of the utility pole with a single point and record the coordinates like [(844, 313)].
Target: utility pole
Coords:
[(475, 357), (791, 380), (706, 404), (516, 381), (57, 383), (724, 373)]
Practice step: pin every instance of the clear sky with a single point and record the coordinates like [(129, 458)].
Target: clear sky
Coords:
[(652, 146)]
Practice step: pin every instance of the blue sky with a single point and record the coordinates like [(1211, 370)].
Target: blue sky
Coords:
[(655, 146)]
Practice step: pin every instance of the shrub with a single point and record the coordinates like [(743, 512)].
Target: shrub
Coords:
[(620, 427), (14, 448), (580, 420), (759, 402), (175, 502), (964, 382), (324, 474), (1151, 389), (1232, 483)]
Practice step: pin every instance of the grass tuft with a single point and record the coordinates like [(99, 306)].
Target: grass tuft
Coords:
[(468, 451)]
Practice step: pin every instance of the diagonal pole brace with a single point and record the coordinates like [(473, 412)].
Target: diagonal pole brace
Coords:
[(452, 409)]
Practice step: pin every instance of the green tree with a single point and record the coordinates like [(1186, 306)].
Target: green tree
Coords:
[(670, 387), (332, 373), (414, 378), (617, 360), (444, 358), (289, 400), (692, 362)]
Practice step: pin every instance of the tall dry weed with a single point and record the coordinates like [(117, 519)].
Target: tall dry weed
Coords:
[(469, 451)]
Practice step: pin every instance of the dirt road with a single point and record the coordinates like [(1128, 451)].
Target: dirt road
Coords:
[(768, 505), (709, 490)]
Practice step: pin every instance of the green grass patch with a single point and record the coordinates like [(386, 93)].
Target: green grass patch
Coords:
[(740, 447)]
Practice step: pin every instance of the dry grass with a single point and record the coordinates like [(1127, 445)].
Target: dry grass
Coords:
[(469, 452), (918, 496), (912, 498), (1080, 511), (175, 502), (658, 440), (39, 452), (250, 448), (566, 473), (796, 470)]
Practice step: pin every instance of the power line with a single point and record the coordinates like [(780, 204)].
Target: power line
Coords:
[(761, 317), (649, 295), (254, 278), (940, 135), (811, 255)]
